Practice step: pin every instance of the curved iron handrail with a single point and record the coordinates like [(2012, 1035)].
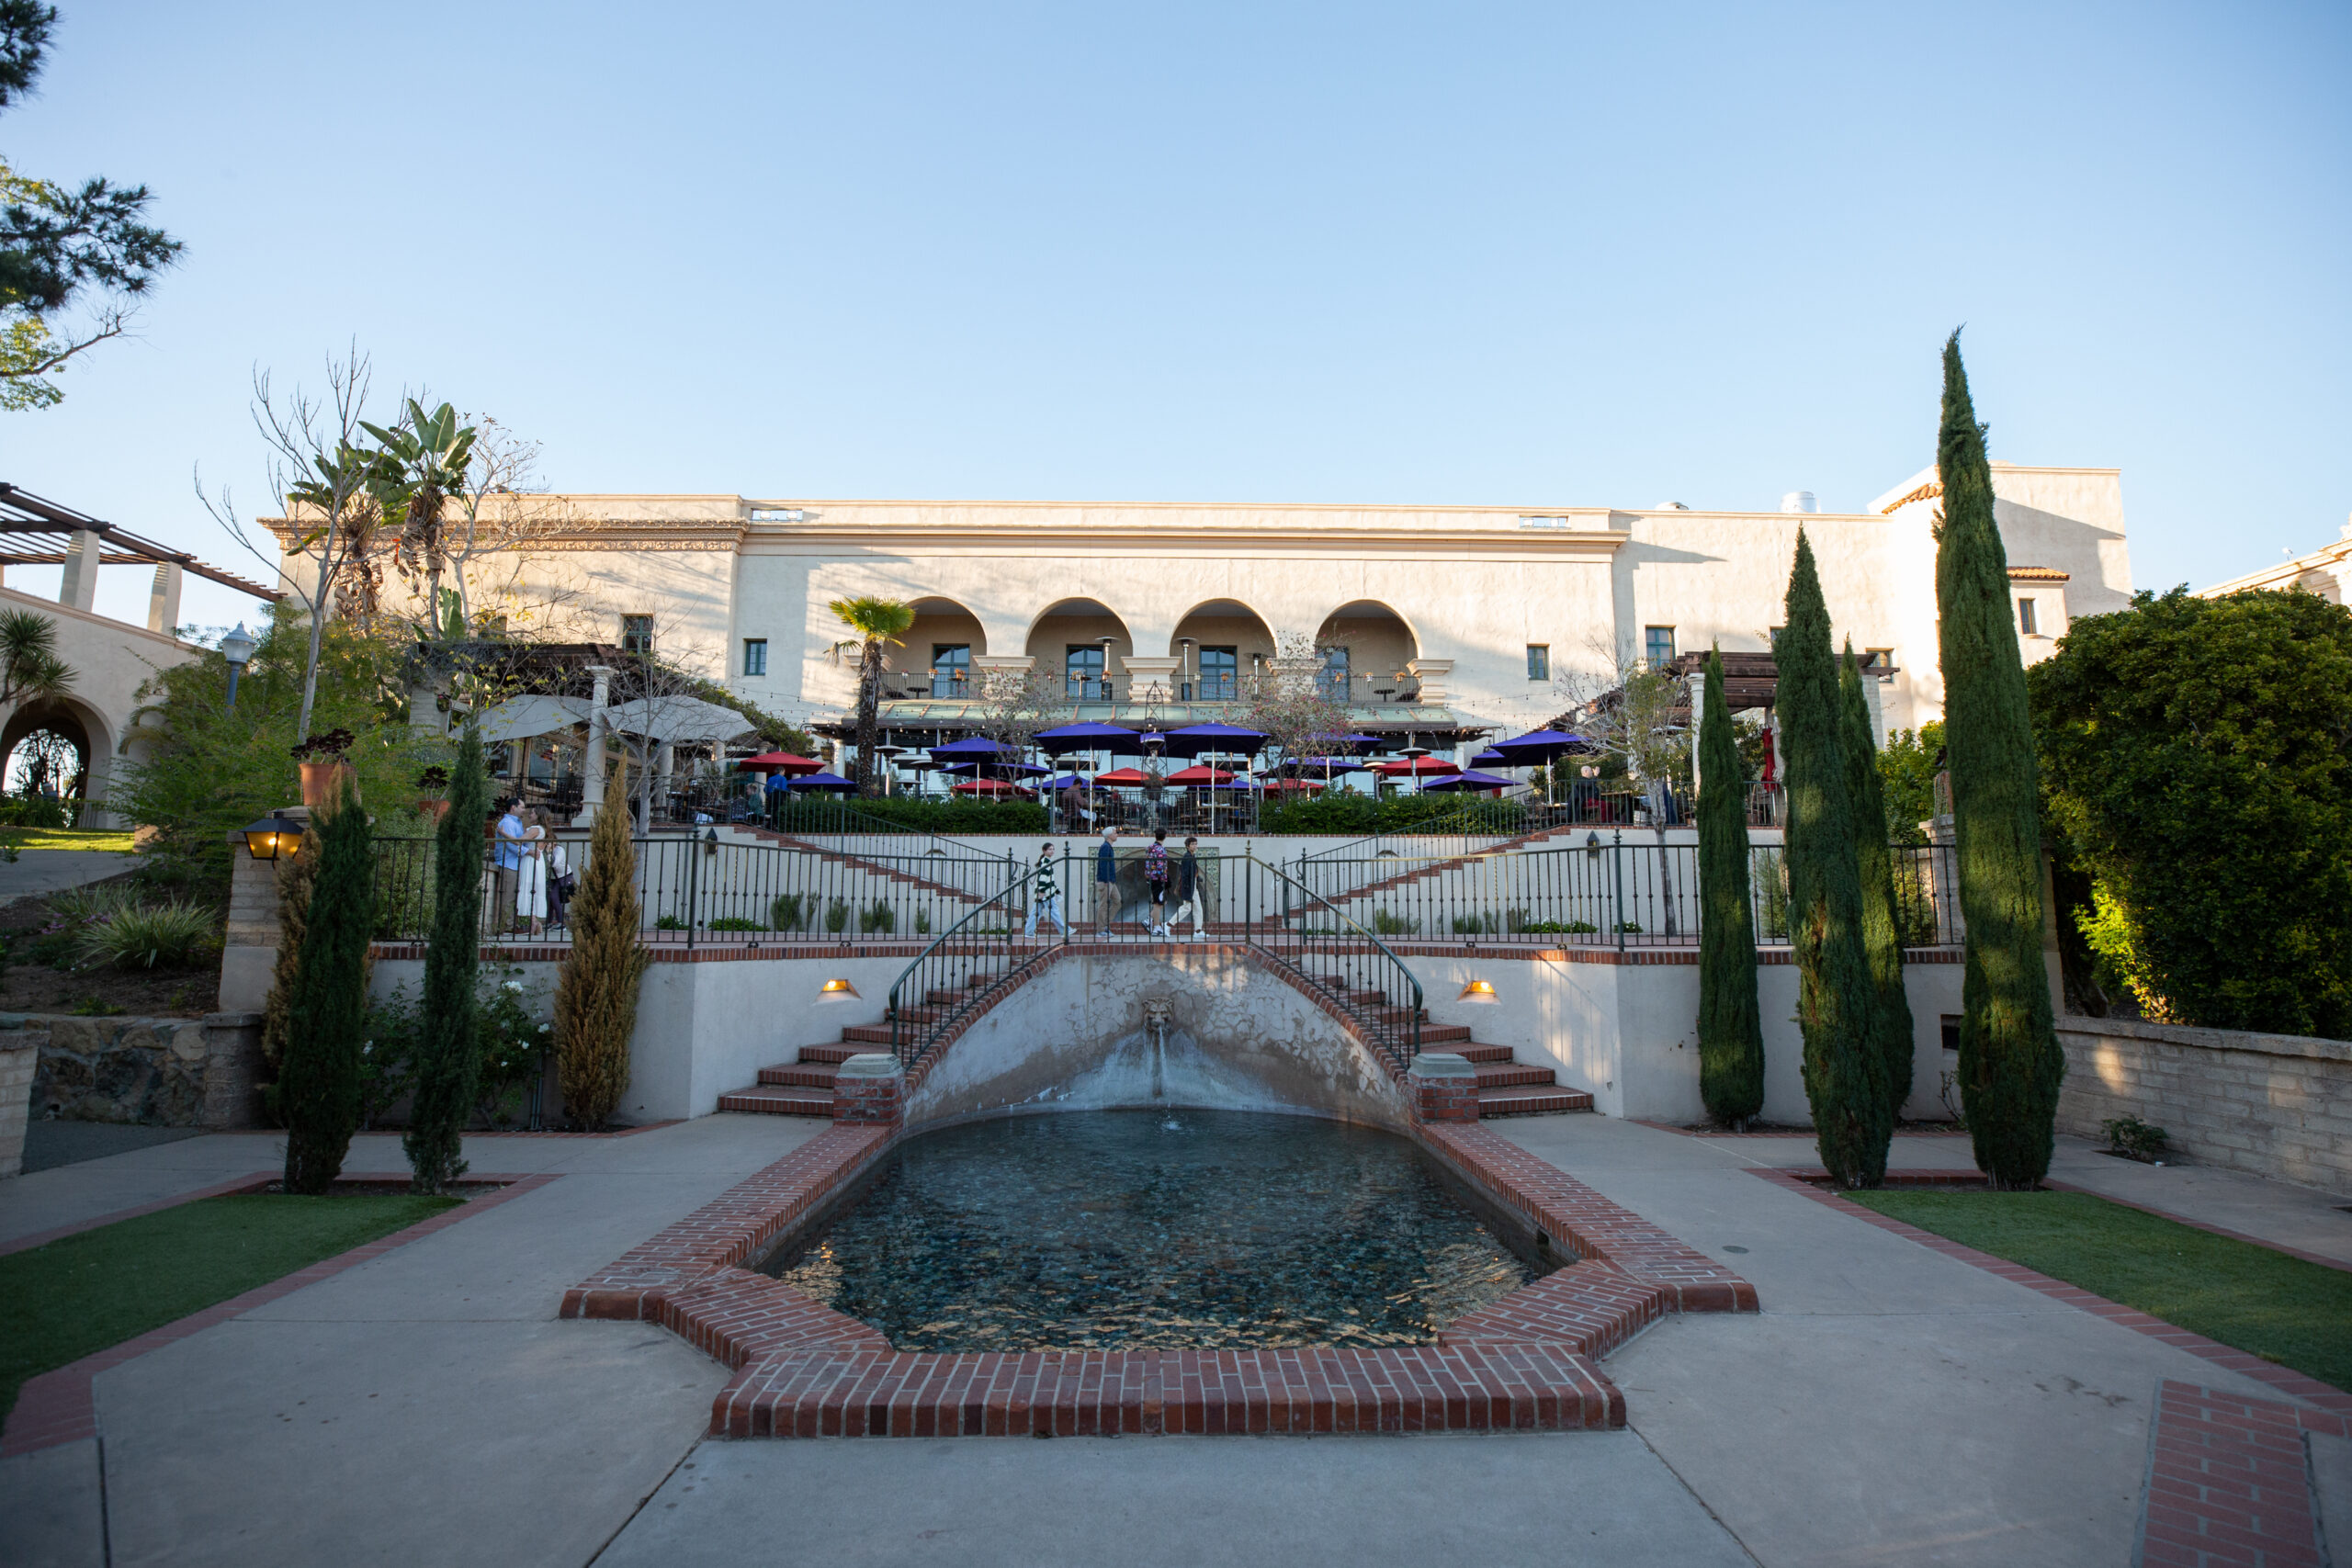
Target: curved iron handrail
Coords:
[(1359, 971), (937, 965)]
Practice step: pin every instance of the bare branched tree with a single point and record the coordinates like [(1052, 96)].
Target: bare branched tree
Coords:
[(1290, 701), (330, 488), (1016, 704), (1628, 712)]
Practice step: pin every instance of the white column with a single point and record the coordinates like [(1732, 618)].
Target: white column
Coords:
[(591, 756), (79, 587), (163, 598)]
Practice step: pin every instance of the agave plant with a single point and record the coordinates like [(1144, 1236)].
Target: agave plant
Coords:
[(170, 935)]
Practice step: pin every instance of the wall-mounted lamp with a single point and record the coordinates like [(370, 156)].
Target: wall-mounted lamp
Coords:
[(1482, 991), (1593, 845), (272, 837), (837, 991)]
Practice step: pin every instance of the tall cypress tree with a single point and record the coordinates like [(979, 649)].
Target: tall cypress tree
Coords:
[(1845, 1074), (327, 1014), (2010, 1065), (1882, 942), (1731, 1030), (448, 1046), (595, 991)]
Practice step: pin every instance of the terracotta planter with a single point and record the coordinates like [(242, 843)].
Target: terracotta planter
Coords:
[(433, 809), (322, 784)]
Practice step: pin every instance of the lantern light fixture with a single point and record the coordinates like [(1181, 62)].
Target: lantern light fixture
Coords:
[(273, 838)]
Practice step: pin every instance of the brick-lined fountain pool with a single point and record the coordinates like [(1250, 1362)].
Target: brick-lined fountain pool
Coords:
[(1116, 1230)]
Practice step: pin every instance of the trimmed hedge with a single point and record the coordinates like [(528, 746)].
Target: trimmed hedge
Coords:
[(805, 816)]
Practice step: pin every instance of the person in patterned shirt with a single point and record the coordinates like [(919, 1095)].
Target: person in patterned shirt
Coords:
[(1155, 878), (1045, 894)]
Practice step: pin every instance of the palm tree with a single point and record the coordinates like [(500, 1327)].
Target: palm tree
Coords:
[(430, 452), (879, 623), (30, 670)]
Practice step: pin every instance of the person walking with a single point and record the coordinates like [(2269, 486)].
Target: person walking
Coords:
[(1155, 881), (1045, 894), (1190, 895), (506, 867), (1106, 882)]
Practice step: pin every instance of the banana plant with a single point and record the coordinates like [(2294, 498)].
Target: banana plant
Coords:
[(430, 452)]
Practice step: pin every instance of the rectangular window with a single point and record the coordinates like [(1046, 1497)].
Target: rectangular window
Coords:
[(637, 634), (1220, 675), (1539, 660), (1658, 646), (2025, 616), (951, 669), (1334, 682), (1879, 658), (1774, 632), (755, 656), (1083, 667)]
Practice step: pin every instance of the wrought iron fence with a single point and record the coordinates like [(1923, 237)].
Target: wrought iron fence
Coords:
[(1331, 949), (961, 968), (1606, 889), (698, 888)]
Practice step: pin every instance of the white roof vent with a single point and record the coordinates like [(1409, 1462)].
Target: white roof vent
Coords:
[(1669, 506), (1798, 501)]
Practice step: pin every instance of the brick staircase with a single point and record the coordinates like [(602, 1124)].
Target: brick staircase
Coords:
[(804, 1087), (1439, 868)]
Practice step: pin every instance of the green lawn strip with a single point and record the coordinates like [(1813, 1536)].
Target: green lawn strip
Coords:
[(81, 1293), (115, 839), (2264, 1303)]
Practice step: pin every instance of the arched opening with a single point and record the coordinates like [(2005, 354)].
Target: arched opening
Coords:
[(1219, 648), (1368, 652), (940, 648), (48, 755), (1083, 643)]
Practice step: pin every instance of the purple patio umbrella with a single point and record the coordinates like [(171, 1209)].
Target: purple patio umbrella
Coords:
[(1472, 779), (821, 781), (1228, 738), (1117, 735)]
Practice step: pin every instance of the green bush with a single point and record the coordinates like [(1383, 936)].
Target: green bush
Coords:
[(1567, 928), (2134, 1139), (34, 811), (1348, 813), (837, 916), (1387, 924), (172, 935), (788, 912), (670, 924), (880, 917), (511, 1040), (735, 923)]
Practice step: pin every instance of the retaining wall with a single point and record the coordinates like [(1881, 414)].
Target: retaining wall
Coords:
[(159, 1072), (2276, 1105)]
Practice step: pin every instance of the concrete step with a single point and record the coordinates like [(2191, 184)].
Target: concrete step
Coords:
[(802, 1075), (1531, 1101), (777, 1099)]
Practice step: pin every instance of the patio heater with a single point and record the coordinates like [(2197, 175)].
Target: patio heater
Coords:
[(1184, 681)]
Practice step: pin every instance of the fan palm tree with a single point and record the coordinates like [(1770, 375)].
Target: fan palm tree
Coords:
[(430, 452), (879, 623), (30, 670)]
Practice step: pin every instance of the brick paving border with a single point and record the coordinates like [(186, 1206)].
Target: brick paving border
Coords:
[(2229, 1483), (1525, 1363), (2336, 1403), (218, 1190), (60, 1406)]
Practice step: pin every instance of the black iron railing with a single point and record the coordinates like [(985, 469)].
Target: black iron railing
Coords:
[(698, 888), (963, 966), (1331, 950)]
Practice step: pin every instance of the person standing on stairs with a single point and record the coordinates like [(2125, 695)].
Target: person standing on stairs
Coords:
[(1155, 880), (1189, 895), (1045, 895), (1106, 882)]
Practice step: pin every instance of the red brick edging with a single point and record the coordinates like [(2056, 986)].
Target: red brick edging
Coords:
[(1526, 1363), (2229, 1481), (58, 1406), (2286, 1381)]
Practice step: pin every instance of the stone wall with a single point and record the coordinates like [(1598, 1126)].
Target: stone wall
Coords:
[(2276, 1105), (17, 1067), (159, 1072)]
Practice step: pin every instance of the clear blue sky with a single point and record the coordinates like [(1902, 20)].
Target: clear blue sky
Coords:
[(1535, 255)]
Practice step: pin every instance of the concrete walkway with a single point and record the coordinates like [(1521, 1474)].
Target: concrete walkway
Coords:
[(35, 872), (1890, 1406)]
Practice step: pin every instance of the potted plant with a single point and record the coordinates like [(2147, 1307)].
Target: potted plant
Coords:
[(326, 762), (434, 806)]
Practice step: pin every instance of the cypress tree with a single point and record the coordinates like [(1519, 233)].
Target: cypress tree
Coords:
[(1731, 1030), (1882, 942), (296, 873), (449, 1044), (1845, 1074), (319, 1090), (2010, 1065), (595, 992)]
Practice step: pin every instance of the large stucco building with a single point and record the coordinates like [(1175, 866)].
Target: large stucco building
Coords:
[(1445, 621)]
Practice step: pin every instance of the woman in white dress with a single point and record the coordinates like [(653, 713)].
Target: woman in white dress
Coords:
[(531, 880), (559, 868)]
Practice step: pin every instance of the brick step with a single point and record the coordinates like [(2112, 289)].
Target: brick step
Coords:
[(1519, 1101), (855, 1038), (803, 1075), (1471, 1051), (1506, 1075), (776, 1100), (1443, 1031)]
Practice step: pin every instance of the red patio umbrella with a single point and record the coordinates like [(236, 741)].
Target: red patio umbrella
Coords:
[(1426, 767), (983, 786), (1200, 778), (1123, 777), (781, 763)]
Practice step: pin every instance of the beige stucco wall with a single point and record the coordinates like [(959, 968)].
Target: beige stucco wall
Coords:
[(111, 660)]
